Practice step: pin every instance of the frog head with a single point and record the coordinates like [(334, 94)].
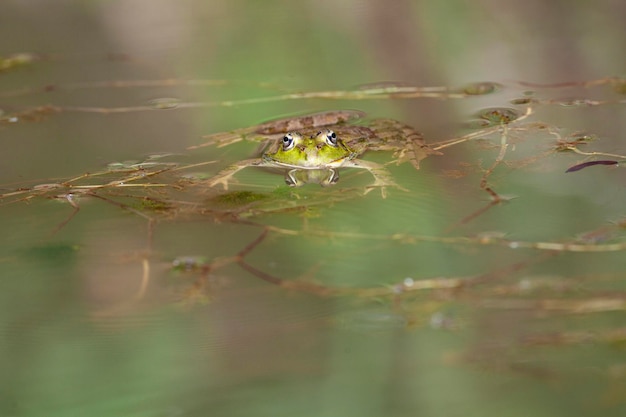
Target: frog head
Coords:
[(319, 151)]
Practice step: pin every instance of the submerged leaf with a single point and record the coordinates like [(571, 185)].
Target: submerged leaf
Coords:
[(588, 164)]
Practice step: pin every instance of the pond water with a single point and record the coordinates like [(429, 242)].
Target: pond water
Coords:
[(489, 282)]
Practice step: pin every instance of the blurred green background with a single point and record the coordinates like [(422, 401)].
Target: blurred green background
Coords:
[(75, 340)]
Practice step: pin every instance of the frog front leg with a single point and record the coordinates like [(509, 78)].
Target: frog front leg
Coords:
[(382, 177), (225, 175)]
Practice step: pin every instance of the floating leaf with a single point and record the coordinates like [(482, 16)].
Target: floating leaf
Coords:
[(523, 101), (499, 115)]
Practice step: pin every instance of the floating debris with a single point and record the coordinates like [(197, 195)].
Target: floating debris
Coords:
[(482, 88), (591, 163)]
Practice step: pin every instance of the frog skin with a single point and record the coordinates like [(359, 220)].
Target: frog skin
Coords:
[(312, 147)]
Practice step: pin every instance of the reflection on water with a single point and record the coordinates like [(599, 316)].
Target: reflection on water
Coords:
[(489, 279)]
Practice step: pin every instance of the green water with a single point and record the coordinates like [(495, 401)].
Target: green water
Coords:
[(151, 295)]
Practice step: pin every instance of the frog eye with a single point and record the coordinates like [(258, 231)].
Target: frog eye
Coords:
[(331, 138), (288, 142)]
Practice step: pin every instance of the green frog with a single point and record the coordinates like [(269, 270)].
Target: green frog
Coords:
[(311, 148)]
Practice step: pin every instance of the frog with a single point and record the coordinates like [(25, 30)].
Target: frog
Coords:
[(312, 147)]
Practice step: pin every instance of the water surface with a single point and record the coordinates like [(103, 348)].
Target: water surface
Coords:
[(492, 286)]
